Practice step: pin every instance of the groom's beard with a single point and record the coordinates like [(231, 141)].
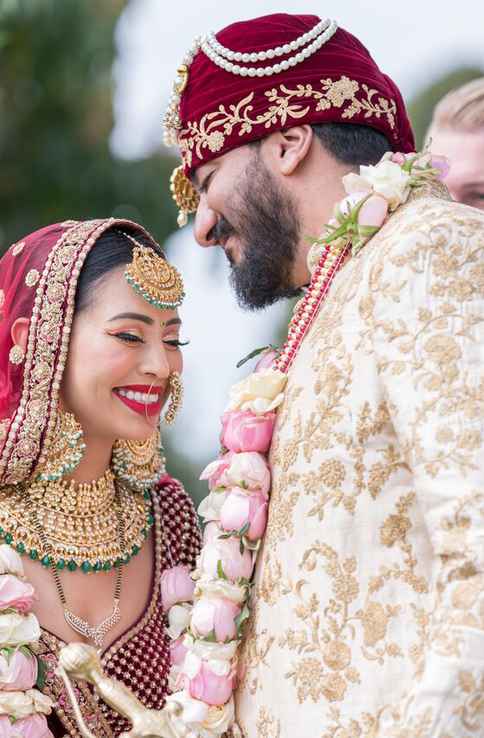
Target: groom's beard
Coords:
[(268, 228)]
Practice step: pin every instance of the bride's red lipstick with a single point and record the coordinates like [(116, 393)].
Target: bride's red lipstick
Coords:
[(143, 408)]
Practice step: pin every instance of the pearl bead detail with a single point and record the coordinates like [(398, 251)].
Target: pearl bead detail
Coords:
[(171, 119), (254, 57), (223, 57)]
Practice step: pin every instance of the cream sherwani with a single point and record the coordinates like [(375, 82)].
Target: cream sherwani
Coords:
[(368, 613)]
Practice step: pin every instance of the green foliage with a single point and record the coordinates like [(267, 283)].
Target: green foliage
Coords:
[(41, 673), (55, 120), (421, 107)]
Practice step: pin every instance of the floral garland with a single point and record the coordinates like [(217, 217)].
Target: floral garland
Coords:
[(206, 610), (22, 707)]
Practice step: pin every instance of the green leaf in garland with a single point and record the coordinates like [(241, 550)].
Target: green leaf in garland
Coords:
[(7, 652), (210, 638), (244, 529), (42, 673), (255, 353), (241, 618), (220, 570)]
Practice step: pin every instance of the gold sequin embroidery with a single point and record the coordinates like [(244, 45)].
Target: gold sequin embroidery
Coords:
[(3, 428), (18, 248), (283, 104), (32, 278)]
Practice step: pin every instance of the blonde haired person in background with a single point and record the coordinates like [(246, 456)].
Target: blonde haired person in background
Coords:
[(457, 130)]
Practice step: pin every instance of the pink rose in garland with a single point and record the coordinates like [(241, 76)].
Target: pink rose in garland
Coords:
[(15, 593), (242, 509), (222, 558), (215, 616), (266, 360), (32, 726), (177, 652), (244, 431), (215, 472), (373, 212), (17, 670), (212, 688), (176, 586), (441, 164), (250, 471), (247, 469)]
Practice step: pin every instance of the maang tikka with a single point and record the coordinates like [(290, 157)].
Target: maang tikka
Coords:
[(154, 278)]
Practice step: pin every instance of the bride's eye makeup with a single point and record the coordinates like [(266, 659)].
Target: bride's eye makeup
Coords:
[(175, 342), (132, 338), (171, 340), (127, 337)]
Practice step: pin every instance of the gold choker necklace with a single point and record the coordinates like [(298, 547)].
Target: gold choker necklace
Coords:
[(75, 525)]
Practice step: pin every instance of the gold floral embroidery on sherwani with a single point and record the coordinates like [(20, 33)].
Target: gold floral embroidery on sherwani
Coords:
[(368, 617)]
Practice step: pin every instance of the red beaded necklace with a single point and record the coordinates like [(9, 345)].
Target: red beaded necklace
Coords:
[(331, 260)]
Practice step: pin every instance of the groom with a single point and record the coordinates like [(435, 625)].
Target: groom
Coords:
[(368, 609)]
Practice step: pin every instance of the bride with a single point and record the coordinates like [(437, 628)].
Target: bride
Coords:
[(89, 356)]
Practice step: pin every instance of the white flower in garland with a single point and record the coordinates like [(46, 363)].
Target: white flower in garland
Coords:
[(211, 505), (206, 720), (387, 179), (261, 392), (372, 194), (18, 630), (206, 586), (178, 619), (10, 561), (21, 704), (19, 636)]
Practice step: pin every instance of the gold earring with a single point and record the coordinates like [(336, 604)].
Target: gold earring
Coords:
[(16, 355), (139, 463), (176, 398), (65, 449)]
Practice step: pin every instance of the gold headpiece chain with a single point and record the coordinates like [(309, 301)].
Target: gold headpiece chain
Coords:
[(154, 278)]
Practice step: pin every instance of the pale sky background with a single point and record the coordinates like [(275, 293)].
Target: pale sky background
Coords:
[(414, 41)]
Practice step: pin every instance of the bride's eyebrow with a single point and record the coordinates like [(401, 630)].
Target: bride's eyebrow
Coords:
[(134, 316)]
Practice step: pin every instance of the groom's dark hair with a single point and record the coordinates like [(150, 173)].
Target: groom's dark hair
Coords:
[(352, 144)]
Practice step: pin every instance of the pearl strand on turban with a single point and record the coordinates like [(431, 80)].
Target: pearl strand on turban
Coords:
[(300, 56)]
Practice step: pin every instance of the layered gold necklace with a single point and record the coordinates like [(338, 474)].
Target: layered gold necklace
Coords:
[(92, 527), (75, 526)]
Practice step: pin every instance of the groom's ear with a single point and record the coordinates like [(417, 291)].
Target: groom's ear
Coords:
[(287, 150)]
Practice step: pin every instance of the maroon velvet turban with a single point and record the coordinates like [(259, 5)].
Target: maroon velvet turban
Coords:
[(340, 83)]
